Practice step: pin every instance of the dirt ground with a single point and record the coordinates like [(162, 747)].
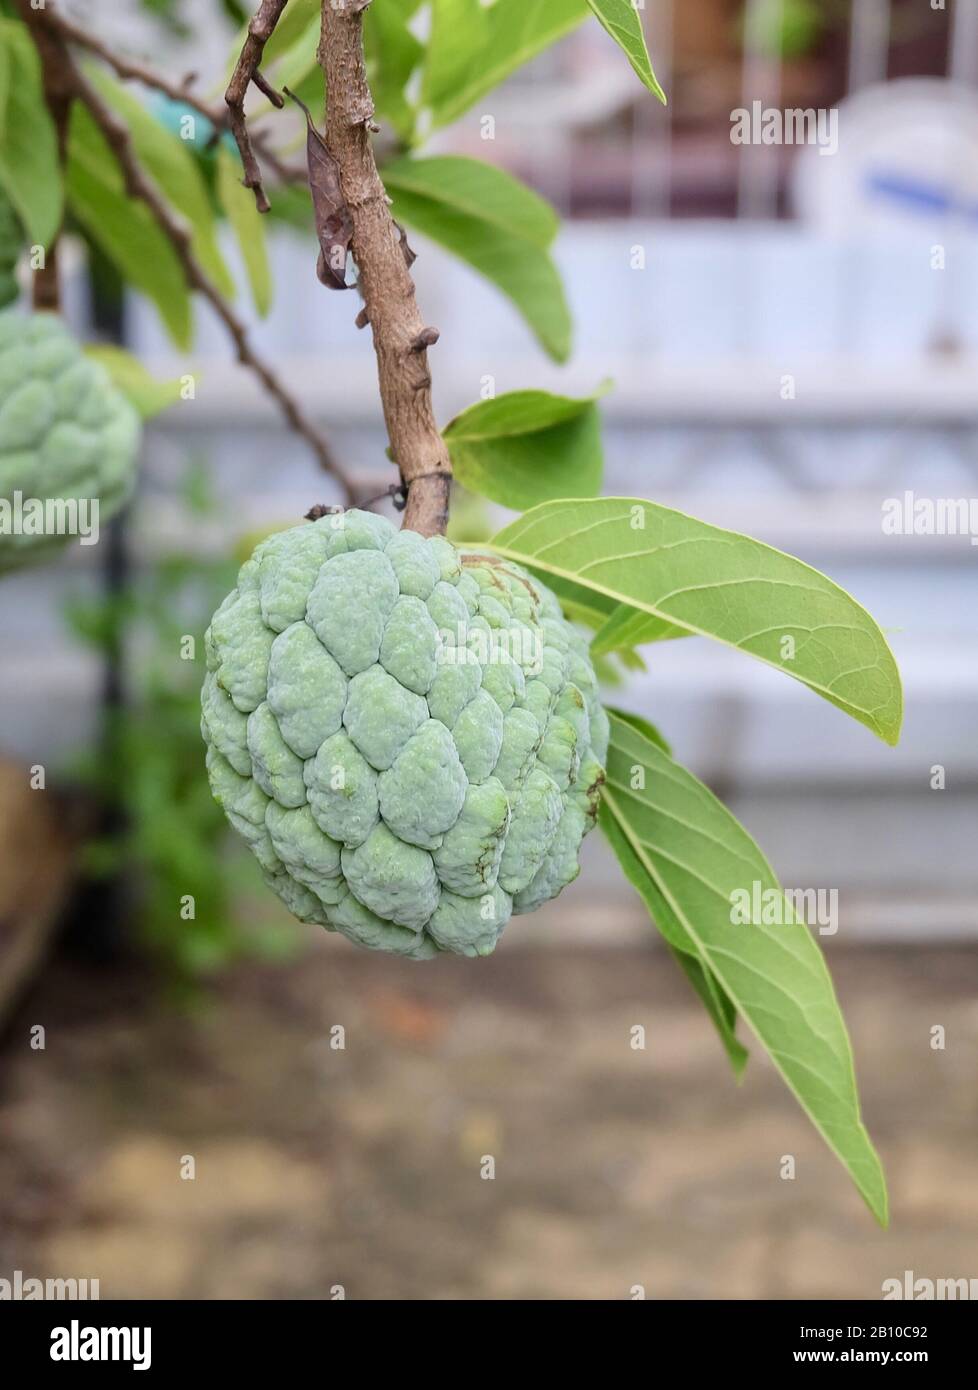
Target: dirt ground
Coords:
[(319, 1168)]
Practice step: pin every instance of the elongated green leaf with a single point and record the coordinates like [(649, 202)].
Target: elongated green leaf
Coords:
[(473, 47), (477, 189), (523, 272), (627, 627), (392, 54), (290, 58), (30, 174), (718, 1006), (494, 222), (689, 858), (577, 602), (149, 395), (644, 726), (123, 228), (296, 64), (172, 167), (238, 203), (622, 21), (293, 22), (7, 27), (526, 447), (718, 584), (711, 994), (612, 670), (629, 659)]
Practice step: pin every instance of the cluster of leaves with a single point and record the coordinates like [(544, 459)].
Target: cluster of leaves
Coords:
[(172, 838), (637, 573), (201, 181), (477, 212)]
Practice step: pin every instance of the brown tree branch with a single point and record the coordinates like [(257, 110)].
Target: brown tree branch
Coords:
[(246, 71), (76, 86), (131, 70), (399, 332), (138, 186)]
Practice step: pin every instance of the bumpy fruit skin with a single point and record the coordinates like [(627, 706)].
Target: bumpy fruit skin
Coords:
[(65, 430), (408, 736)]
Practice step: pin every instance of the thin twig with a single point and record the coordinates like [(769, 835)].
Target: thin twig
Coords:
[(395, 492), (260, 30), (401, 337), (131, 70), (139, 186)]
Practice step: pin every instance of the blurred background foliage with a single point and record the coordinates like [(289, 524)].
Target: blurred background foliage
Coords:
[(191, 880)]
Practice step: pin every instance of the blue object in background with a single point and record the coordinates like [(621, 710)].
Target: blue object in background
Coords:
[(174, 116), (919, 197)]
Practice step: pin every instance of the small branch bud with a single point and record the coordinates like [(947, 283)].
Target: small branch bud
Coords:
[(425, 339)]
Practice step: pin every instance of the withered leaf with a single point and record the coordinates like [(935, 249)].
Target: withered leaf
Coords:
[(334, 225)]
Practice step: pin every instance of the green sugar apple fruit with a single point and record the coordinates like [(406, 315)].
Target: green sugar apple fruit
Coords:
[(407, 735), (68, 438)]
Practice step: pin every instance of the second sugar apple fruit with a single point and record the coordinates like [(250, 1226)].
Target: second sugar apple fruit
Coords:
[(407, 735), (66, 434)]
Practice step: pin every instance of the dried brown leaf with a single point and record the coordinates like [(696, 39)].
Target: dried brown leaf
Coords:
[(409, 255), (334, 225)]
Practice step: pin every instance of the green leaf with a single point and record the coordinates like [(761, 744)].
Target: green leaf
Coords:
[(519, 267), (171, 165), (784, 28), (30, 173), (526, 447), (123, 228), (293, 23), (644, 726), (291, 206), (627, 627), (144, 391), (611, 671), (688, 857), (311, 91), (299, 62), (238, 203), (621, 19), (7, 28), (580, 605), (477, 189), (290, 59), (392, 54), (718, 584), (628, 657), (473, 47), (717, 1003)]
